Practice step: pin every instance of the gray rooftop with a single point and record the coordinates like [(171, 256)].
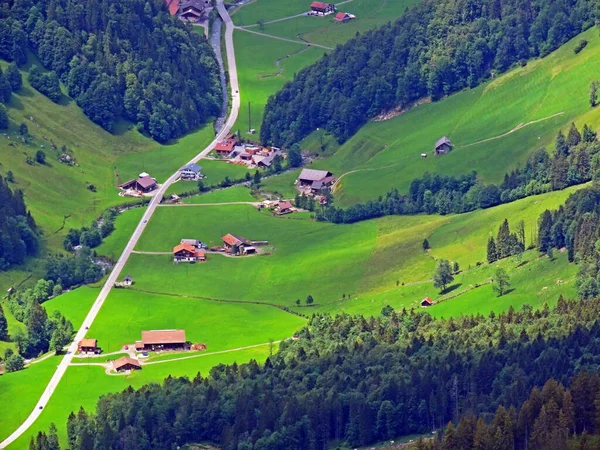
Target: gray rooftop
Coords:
[(192, 167), (442, 141), (313, 175)]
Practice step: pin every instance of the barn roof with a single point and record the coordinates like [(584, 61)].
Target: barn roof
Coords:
[(313, 175), (184, 246), (163, 337), (88, 343), (285, 204), (192, 168), (124, 360), (230, 239), (146, 182), (319, 5), (442, 141)]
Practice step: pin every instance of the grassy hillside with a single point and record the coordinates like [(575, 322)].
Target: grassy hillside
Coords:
[(264, 65), (534, 101), (221, 326), (325, 31), (362, 260), (57, 194), (83, 385)]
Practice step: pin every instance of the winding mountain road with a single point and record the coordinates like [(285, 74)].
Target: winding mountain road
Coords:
[(64, 364)]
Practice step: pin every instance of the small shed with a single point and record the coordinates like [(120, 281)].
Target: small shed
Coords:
[(88, 346), (126, 363), (426, 302), (442, 146)]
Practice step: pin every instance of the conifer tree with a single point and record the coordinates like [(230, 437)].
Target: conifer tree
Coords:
[(573, 138), (492, 252)]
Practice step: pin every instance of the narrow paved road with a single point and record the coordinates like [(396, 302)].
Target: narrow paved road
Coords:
[(64, 364)]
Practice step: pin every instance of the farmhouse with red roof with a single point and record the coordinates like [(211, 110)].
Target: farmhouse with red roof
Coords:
[(322, 8)]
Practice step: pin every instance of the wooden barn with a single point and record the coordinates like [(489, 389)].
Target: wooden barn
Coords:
[(88, 346), (162, 340), (442, 146), (126, 363), (322, 8)]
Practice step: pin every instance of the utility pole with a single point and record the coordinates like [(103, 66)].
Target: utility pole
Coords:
[(249, 118)]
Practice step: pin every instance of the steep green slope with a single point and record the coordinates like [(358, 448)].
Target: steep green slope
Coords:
[(58, 194), (493, 128)]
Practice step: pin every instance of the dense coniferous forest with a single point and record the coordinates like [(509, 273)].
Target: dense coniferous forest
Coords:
[(435, 49), (576, 161), (18, 232), (576, 227), (360, 380), (117, 59)]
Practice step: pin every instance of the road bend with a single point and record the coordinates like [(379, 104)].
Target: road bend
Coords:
[(64, 364)]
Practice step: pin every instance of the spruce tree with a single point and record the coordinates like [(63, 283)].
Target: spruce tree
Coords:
[(13, 75), (561, 144), (3, 326), (545, 232), (588, 134), (5, 89), (573, 138), (503, 241), (3, 118), (492, 253)]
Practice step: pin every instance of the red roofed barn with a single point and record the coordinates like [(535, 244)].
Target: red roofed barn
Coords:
[(186, 252), (162, 339), (322, 8)]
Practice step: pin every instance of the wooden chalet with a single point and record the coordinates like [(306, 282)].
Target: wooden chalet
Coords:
[(143, 184), (342, 17), (284, 207), (314, 180), (225, 147), (185, 252), (322, 8), (442, 146), (126, 363), (191, 10), (426, 302), (191, 172), (162, 340), (233, 243), (88, 346)]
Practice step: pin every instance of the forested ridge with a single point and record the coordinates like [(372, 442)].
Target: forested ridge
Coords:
[(435, 49), (18, 232), (360, 380), (117, 59)]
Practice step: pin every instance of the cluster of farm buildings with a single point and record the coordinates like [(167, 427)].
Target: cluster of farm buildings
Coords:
[(326, 9), (153, 340), (189, 10), (253, 156), (193, 250)]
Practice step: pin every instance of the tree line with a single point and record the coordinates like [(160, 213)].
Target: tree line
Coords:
[(575, 161), (126, 59), (356, 380), (19, 235), (42, 332), (575, 226), (552, 418), (436, 48)]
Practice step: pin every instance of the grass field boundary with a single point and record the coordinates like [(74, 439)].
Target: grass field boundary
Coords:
[(517, 128), (308, 44), (219, 300), (238, 349)]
